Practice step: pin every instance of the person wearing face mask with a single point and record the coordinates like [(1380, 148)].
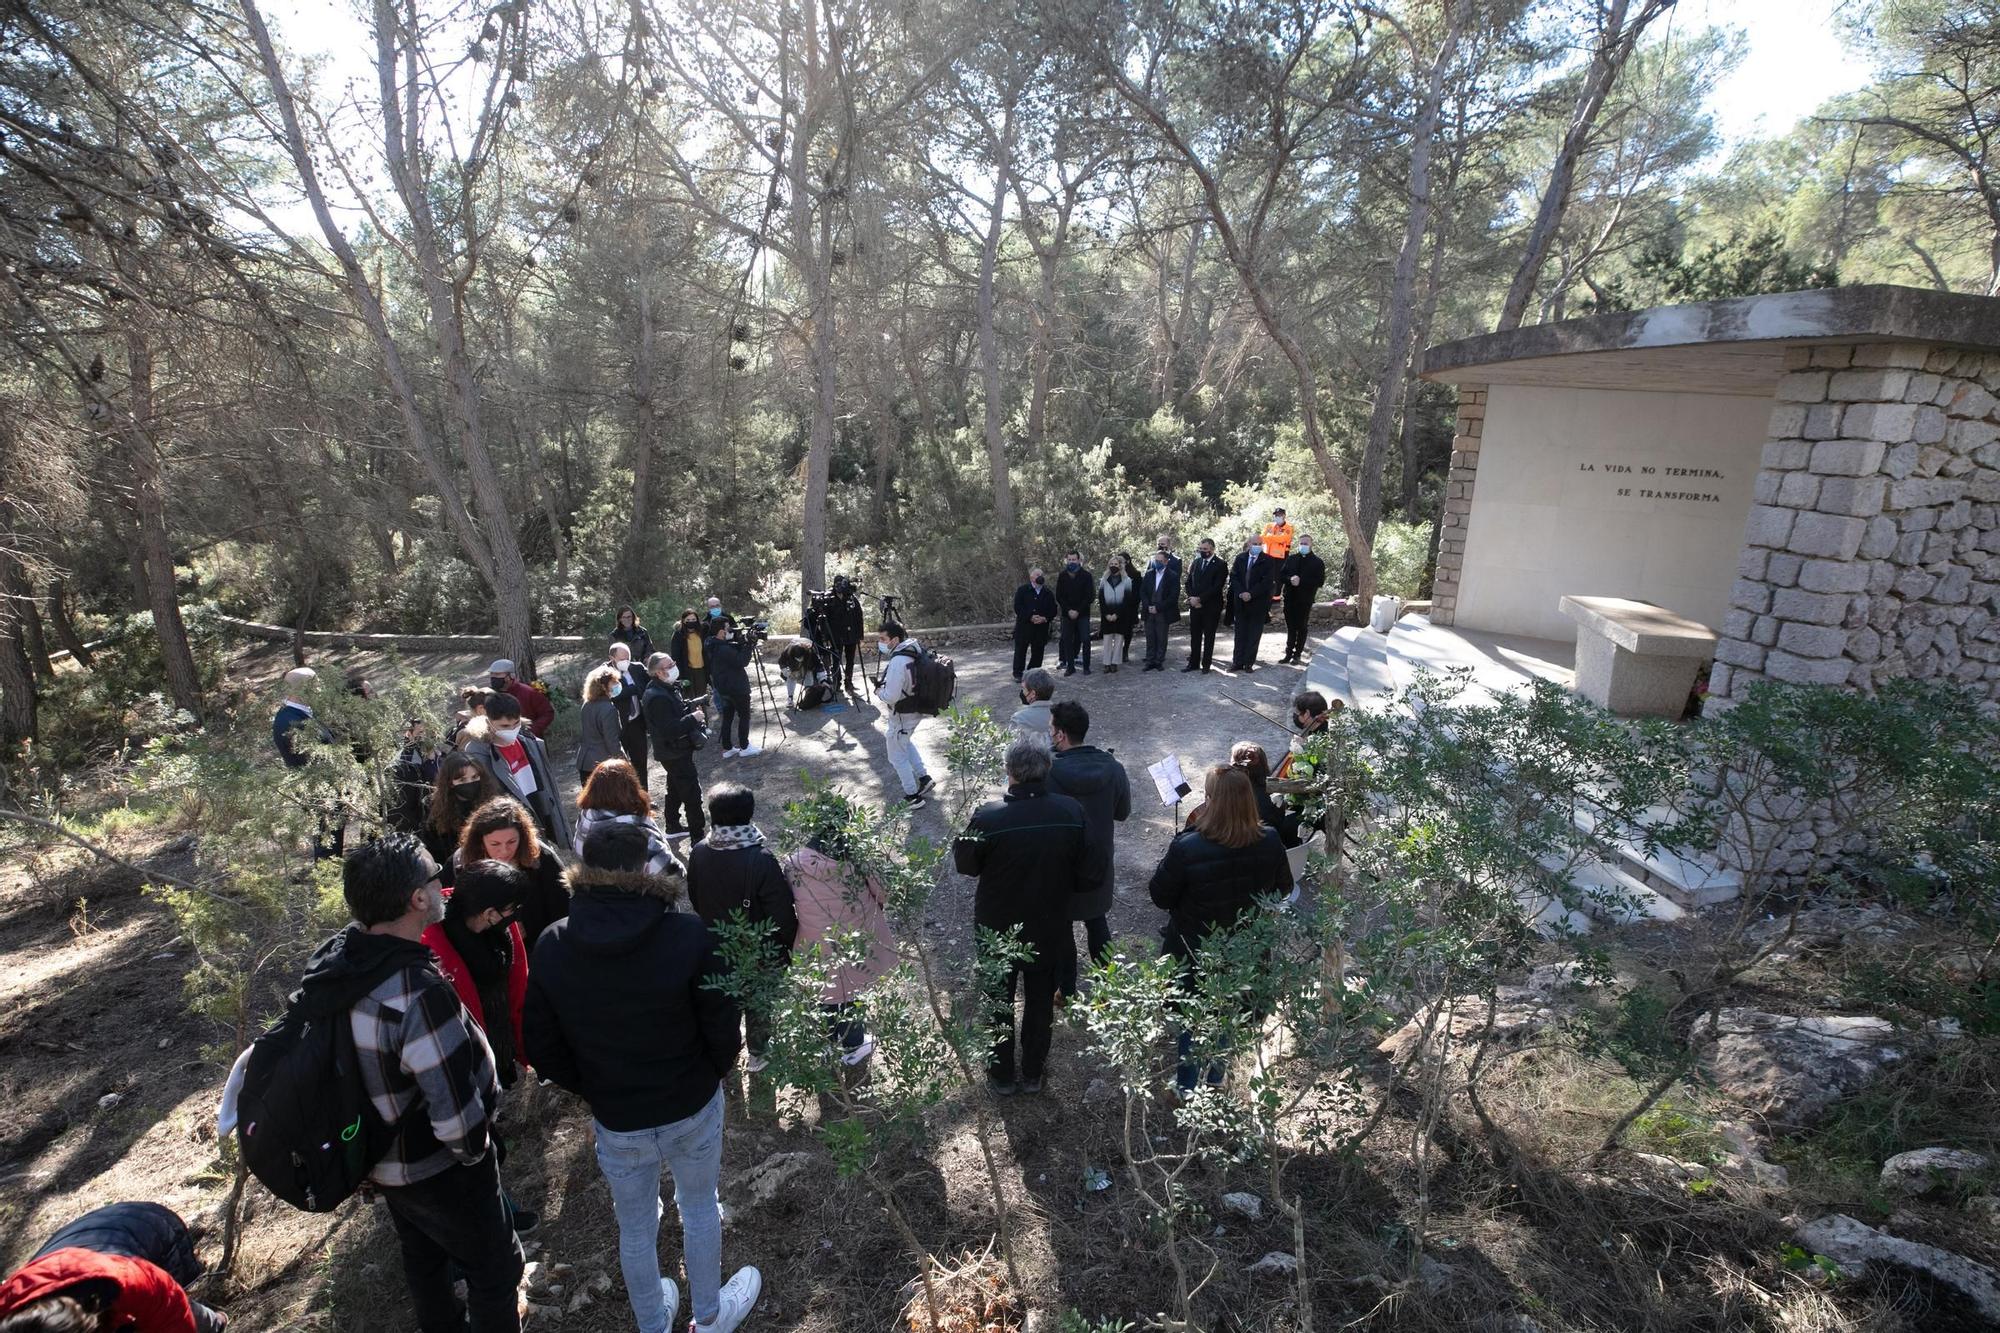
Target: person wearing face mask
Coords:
[(1034, 608), (462, 786), (689, 648), (899, 724), (1276, 539), (1117, 610), (676, 732), (1159, 606), (429, 1071), (598, 729), (1299, 580), (535, 706), (631, 721), (516, 759), (1037, 688), (1207, 583), (1076, 593), (1249, 603)]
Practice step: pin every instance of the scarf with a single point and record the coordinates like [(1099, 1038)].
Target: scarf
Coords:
[(489, 956), (735, 837), (1114, 590)]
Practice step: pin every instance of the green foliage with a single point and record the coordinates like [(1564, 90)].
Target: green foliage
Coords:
[(1075, 1321), (121, 704), (975, 754), (1679, 1132), (1741, 264)]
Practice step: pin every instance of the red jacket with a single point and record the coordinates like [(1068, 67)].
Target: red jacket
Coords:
[(149, 1301), (536, 710), (452, 964)]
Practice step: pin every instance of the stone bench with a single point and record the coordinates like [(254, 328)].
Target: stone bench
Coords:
[(1636, 659)]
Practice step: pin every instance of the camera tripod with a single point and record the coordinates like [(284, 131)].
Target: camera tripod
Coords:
[(887, 607), (770, 700)]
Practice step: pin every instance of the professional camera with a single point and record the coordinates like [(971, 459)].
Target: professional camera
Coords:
[(756, 631)]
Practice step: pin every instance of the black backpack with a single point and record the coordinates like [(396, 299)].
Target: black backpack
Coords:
[(305, 1124), (933, 682)]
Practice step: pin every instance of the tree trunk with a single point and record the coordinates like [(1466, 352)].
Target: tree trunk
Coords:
[(645, 444), (811, 243), (66, 633), (32, 638), (1041, 356), (142, 459), (17, 682), (1614, 47), (989, 339), (1403, 281)]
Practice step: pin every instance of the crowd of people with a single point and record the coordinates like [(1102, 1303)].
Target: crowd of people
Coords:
[(474, 957)]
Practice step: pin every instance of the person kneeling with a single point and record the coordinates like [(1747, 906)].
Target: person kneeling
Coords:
[(123, 1266)]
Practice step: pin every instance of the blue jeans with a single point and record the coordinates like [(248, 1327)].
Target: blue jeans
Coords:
[(692, 1150)]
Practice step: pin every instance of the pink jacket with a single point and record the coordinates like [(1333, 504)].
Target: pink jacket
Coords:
[(825, 899)]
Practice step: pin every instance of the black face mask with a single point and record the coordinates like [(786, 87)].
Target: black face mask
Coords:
[(499, 683), (465, 793)]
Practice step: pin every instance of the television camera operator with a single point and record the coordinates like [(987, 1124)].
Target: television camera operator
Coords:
[(834, 624), (729, 654)]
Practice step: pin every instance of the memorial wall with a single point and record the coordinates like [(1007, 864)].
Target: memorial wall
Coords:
[(1607, 492)]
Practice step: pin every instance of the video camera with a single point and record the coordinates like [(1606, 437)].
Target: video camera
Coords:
[(756, 631)]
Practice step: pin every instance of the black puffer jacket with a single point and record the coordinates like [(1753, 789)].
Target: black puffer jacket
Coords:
[(722, 880), (1027, 850), (729, 665), (620, 1009), (670, 721), (1097, 782), (1204, 885)]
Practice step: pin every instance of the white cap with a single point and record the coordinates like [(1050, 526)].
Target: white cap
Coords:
[(501, 667), (300, 679)]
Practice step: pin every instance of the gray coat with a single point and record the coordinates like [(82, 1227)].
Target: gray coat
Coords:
[(1095, 780), (546, 805), (597, 739)]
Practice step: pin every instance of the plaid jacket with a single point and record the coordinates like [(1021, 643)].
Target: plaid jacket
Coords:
[(427, 1067)]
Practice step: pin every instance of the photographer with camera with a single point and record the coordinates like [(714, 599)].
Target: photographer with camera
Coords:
[(729, 654), (676, 732), (840, 608)]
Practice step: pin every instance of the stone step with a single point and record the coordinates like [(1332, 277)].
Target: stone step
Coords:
[(1327, 672), (1616, 898), (1691, 879), (1371, 680)]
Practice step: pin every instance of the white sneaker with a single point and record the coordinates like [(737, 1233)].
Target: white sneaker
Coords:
[(673, 1296), (751, 751), (739, 1295), (756, 1064), (730, 753), (859, 1053)]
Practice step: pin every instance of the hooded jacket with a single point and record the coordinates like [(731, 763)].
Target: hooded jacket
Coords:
[(459, 973), (620, 1009), (142, 1248), (724, 880), (1097, 782)]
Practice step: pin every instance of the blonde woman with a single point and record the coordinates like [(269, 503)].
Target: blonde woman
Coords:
[(602, 723)]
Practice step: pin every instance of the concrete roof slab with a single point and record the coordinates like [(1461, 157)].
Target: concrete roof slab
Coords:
[(1731, 346)]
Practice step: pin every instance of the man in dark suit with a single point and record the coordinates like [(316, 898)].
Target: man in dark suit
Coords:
[(1299, 580), (1249, 602), (1207, 584), (1076, 595), (1034, 611), (1159, 604)]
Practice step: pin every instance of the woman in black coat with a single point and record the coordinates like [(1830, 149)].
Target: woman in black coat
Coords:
[(633, 635), (1118, 608), (1211, 877)]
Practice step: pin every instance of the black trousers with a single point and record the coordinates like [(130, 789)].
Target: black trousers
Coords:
[(682, 810), (1038, 1018), (632, 737), (1097, 940), (1029, 641), (1249, 633), (1202, 621), (456, 1223), (850, 654), (1073, 648), (1298, 615), (736, 710)]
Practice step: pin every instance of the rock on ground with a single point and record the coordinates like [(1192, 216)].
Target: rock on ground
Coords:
[(1856, 1246), (1275, 1264), (1521, 1012), (1925, 1170), (766, 1180), (1791, 1069), (1244, 1205)]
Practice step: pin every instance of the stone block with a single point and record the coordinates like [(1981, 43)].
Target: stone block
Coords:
[(1891, 423), (1923, 388), (1849, 576), (1813, 640), (1930, 425), (1798, 358), (1917, 520), (1737, 625), (1864, 645), (1833, 535), (1834, 356), (1784, 455), (1914, 584), (1954, 587), (1736, 652), (1966, 437), (1915, 492), (1769, 525), (1805, 386), (1751, 561), (1798, 490), (1956, 467), (1810, 608), (1880, 540), (1719, 678), (1765, 490), (1764, 632), (1853, 386), (1908, 355), (1856, 496), (1783, 569), (1909, 549), (1750, 595), (1823, 421), (1969, 400), (1847, 458), (1779, 665), (1788, 419)]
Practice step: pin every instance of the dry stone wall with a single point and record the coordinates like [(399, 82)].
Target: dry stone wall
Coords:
[(1873, 548)]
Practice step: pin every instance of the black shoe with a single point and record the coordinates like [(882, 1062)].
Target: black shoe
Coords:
[(1190, 667), (915, 801), (526, 1220), (1031, 1086), (1007, 1089), (1086, 671), (1069, 671), (925, 783), (1251, 667)]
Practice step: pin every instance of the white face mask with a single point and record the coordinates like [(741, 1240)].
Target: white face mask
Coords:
[(1305, 548), (882, 647), (673, 674), (506, 735)]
